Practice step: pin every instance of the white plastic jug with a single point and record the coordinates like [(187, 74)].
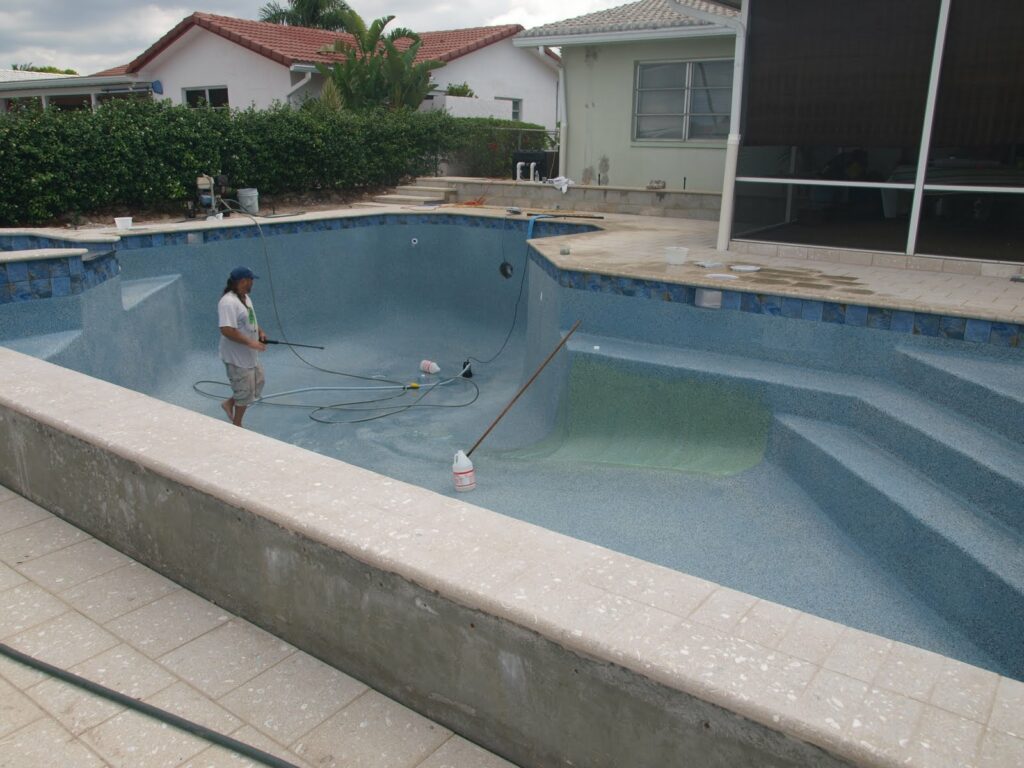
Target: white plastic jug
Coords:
[(463, 473)]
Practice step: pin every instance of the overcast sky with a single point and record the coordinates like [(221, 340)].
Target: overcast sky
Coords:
[(92, 35)]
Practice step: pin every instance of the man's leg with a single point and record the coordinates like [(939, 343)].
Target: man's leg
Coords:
[(229, 408), (239, 413)]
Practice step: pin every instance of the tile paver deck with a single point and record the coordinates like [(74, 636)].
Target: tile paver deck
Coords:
[(76, 603)]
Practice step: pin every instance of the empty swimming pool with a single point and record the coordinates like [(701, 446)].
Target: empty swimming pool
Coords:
[(865, 475)]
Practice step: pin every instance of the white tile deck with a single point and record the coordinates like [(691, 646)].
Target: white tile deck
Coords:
[(77, 604)]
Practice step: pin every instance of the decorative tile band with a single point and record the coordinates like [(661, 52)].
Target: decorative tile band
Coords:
[(878, 318), (50, 278)]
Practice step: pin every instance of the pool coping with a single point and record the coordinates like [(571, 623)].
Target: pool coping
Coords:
[(37, 254), (860, 697)]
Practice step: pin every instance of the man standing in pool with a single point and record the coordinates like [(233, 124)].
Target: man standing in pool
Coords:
[(241, 341)]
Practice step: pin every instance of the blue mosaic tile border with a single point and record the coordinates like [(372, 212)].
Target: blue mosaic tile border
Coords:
[(49, 278), (878, 318), (46, 278)]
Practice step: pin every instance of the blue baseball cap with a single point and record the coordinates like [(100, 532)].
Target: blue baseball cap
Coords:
[(241, 273)]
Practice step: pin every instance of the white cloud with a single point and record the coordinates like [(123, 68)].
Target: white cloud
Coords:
[(98, 34)]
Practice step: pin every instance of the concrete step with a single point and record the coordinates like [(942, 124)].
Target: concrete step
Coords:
[(422, 190), (979, 465), (397, 199), (968, 566), (134, 292), (990, 389)]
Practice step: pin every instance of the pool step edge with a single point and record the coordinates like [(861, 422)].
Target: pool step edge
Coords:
[(966, 565)]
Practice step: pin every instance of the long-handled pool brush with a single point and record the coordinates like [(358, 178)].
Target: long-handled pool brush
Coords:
[(291, 344), (463, 474)]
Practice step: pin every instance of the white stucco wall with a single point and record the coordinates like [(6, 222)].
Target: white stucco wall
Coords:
[(202, 59), (467, 106), (503, 70), (599, 102)]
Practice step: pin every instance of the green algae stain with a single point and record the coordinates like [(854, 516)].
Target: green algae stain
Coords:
[(620, 417)]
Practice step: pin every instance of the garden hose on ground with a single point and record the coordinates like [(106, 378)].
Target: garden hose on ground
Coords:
[(214, 737)]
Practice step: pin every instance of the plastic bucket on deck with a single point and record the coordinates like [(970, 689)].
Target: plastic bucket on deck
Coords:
[(249, 199)]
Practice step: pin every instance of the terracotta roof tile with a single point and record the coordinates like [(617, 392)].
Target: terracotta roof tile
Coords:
[(121, 70), (294, 45)]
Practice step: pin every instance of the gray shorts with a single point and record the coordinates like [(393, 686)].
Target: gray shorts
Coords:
[(246, 383)]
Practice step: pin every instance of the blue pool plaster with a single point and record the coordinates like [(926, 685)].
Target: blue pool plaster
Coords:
[(859, 395)]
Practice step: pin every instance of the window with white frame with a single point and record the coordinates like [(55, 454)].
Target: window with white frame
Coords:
[(212, 97), (682, 100)]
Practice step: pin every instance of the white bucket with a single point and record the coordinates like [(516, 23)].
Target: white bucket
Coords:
[(249, 199), (123, 222), (463, 473), (676, 254)]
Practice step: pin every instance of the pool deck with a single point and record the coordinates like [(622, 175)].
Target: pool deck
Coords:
[(73, 602), (863, 698)]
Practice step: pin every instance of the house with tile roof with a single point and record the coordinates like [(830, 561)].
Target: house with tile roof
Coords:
[(226, 61), (647, 93)]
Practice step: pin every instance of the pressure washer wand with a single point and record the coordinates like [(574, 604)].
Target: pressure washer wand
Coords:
[(291, 344), (524, 387)]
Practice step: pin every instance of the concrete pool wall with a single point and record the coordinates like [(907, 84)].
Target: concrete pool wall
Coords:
[(541, 647)]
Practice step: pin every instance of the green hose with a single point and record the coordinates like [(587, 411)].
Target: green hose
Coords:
[(164, 716)]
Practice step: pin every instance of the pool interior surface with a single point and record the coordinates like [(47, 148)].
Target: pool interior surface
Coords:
[(652, 462)]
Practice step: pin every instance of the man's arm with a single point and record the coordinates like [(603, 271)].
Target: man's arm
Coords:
[(236, 335)]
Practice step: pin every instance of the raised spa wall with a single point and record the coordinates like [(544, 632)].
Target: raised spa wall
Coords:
[(542, 648)]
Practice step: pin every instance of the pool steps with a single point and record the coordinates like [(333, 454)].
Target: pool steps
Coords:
[(926, 469), (986, 468), (991, 391), (941, 549), (45, 346), (134, 292)]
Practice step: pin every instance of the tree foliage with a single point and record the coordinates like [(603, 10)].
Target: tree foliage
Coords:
[(30, 67), (460, 89), (319, 14), (376, 69)]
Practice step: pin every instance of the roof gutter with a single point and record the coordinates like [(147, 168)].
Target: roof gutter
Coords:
[(626, 36), (69, 83), (732, 146)]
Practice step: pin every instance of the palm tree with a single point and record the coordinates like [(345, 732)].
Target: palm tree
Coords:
[(320, 14), (374, 71)]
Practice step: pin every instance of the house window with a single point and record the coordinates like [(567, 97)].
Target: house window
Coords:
[(213, 97), (682, 100), (517, 106)]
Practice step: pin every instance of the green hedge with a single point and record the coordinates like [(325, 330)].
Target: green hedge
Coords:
[(139, 154)]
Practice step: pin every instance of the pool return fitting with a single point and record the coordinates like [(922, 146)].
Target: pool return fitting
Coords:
[(463, 474)]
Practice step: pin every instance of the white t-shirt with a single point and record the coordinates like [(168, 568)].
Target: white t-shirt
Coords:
[(232, 313)]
